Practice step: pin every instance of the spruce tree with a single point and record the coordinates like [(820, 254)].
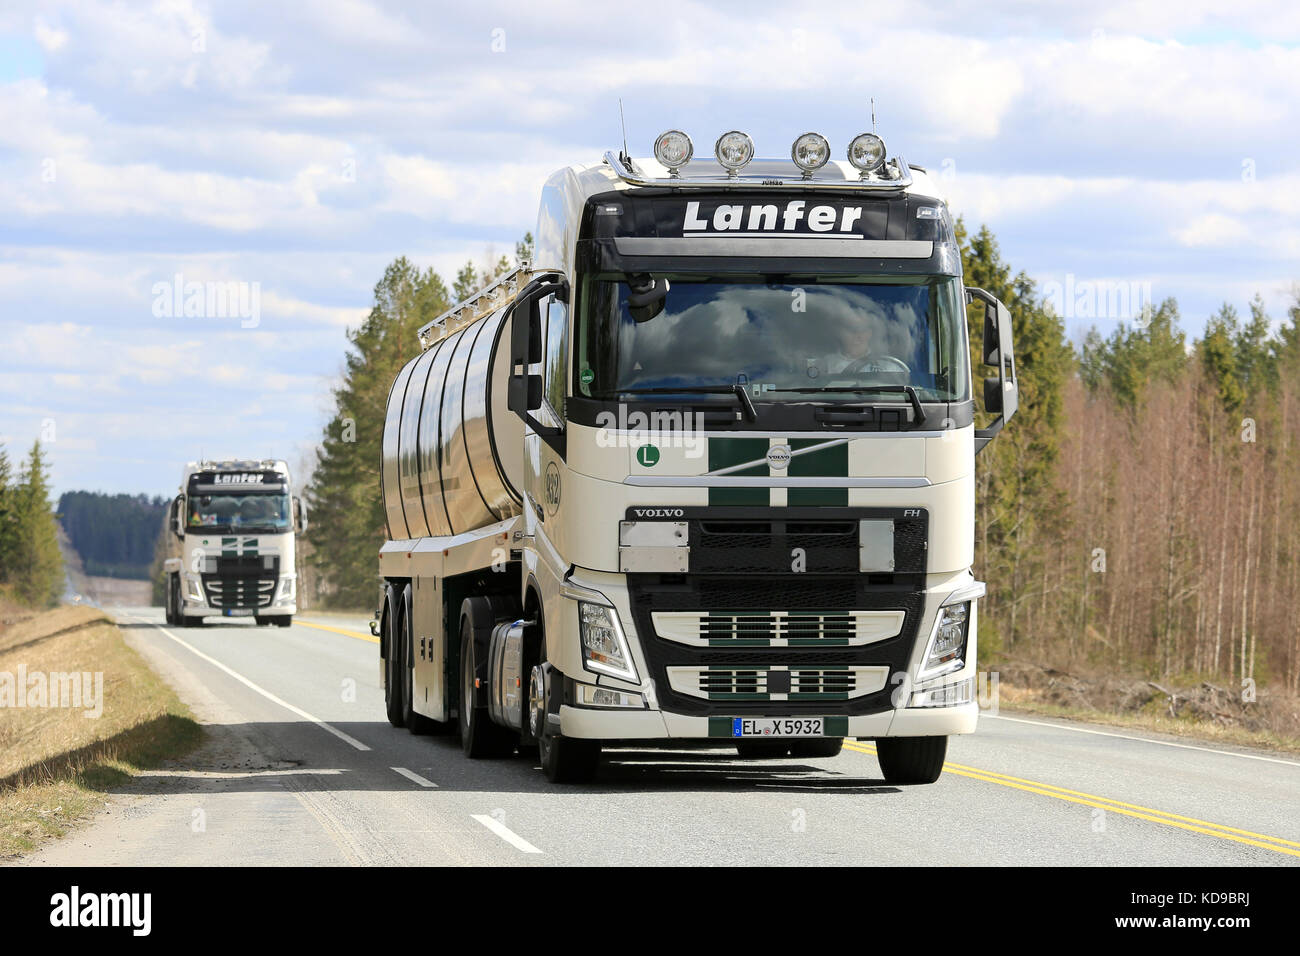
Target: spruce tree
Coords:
[(36, 573)]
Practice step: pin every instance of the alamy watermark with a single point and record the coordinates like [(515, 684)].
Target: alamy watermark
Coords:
[(74, 689), (1077, 298), (208, 300), (655, 430)]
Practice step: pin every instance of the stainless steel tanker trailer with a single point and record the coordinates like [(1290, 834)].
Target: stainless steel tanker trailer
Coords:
[(703, 471)]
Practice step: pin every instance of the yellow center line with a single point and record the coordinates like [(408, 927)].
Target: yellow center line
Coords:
[(1191, 824), (338, 630)]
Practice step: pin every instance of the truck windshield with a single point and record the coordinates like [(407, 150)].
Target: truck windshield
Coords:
[(799, 339), (267, 513)]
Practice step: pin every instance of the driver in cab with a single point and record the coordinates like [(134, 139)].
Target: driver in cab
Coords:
[(856, 355)]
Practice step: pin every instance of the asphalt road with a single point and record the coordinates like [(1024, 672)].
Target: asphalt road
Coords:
[(303, 768)]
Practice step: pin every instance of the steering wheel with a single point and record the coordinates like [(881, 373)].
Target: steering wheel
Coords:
[(880, 363)]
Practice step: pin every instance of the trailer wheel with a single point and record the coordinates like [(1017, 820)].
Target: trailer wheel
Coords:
[(911, 759), (814, 747), (392, 672), (415, 722), (563, 759), (762, 749), (479, 737)]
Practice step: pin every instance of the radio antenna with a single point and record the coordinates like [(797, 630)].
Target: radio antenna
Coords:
[(873, 114), (623, 122)]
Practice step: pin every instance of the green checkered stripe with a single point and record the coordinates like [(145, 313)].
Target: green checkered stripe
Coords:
[(831, 726), (234, 547), (827, 463)]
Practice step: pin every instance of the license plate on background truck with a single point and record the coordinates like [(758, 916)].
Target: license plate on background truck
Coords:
[(238, 611), (778, 727)]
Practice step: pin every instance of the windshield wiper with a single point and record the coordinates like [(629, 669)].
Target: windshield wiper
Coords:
[(746, 403), (918, 413)]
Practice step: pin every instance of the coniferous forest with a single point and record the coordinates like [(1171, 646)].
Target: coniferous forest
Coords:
[(113, 534)]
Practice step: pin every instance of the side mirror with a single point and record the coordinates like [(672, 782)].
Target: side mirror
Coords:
[(300, 513), (993, 396), (525, 394), (177, 516), (1001, 394), (524, 390)]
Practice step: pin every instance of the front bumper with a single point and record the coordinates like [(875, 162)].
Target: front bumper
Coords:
[(197, 610), (608, 724)]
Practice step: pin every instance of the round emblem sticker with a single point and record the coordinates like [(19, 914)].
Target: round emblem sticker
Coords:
[(587, 377), (647, 456)]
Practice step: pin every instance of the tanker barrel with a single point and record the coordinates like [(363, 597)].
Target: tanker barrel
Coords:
[(452, 451)]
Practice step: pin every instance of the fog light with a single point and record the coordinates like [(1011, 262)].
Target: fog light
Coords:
[(194, 590), (604, 697), (949, 695), (604, 649)]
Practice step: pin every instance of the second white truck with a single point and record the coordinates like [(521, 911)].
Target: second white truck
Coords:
[(236, 522)]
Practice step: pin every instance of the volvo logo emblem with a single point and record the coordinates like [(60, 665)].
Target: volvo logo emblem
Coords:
[(778, 456)]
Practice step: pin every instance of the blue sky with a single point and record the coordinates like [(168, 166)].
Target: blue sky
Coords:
[(301, 148)]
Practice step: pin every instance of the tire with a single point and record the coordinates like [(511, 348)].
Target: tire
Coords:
[(911, 759), (284, 620), (169, 600), (564, 759), (479, 737), (762, 749), (817, 747), (414, 721), (393, 705)]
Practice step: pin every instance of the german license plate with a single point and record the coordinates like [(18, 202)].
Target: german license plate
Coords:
[(778, 727), (238, 612)]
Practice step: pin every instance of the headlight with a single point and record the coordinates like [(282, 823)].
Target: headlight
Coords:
[(194, 589), (604, 649), (948, 644), (810, 153)]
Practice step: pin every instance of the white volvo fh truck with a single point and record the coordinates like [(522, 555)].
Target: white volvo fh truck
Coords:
[(236, 522), (702, 471)]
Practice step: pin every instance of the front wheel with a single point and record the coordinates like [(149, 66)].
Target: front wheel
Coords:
[(563, 759), (479, 737), (911, 759)]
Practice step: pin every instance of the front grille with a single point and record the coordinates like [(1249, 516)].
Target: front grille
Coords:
[(239, 592), (777, 628), (777, 683), (733, 631)]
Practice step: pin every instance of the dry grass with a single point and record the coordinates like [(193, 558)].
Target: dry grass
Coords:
[(56, 764), (1193, 709)]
